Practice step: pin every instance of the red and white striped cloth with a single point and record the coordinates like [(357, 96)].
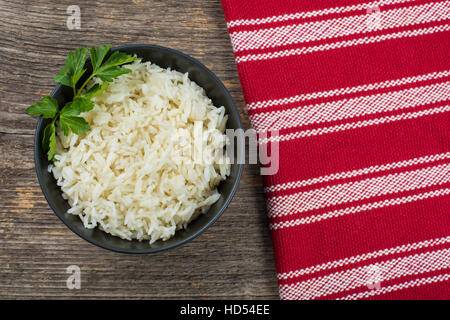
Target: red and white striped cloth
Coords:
[(360, 93)]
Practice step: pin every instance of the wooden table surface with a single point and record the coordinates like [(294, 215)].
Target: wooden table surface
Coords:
[(233, 259)]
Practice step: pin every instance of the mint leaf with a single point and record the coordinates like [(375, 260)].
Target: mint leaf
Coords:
[(98, 55), (76, 124), (49, 141), (74, 68), (47, 107)]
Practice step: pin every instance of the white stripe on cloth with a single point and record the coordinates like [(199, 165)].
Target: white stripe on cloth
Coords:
[(348, 90), (351, 108), (360, 208), (358, 172), (397, 287), (363, 257), (359, 190), (338, 27), (342, 44), (354, 125), (366, 275), (311, 14)]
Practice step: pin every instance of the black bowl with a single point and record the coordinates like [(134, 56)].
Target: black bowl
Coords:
[(166, 58)]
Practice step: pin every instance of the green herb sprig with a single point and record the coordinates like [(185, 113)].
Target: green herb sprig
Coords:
[(70, 75)]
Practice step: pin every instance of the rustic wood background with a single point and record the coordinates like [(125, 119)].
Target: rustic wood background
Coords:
[(233, 259)]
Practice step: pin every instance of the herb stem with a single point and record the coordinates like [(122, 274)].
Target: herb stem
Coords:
[(77, 93)]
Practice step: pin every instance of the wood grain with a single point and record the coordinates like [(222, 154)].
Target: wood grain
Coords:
[(233, 259)]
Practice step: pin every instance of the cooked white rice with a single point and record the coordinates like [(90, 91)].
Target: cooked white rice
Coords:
[(136, 173)]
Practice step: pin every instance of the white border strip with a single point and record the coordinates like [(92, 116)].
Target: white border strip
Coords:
[(342, 44), (364, 257), (347, 90), (311, 14), (397, 287), (351, 108), (360, 208), (359, 172), (339, 27), (366, 275), (356, 191), (354, 125)]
